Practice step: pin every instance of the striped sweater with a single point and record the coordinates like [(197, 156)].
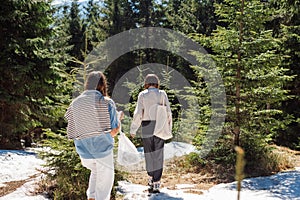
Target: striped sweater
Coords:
[(91, 116)]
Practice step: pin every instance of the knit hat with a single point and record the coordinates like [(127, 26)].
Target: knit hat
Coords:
[(151, 78)]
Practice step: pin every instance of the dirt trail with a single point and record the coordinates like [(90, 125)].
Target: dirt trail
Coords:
[(176, 172), (10, 187), (203, 178), (14, 185)]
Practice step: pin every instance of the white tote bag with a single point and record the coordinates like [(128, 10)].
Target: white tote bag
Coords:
[(127, 152), (163, 129)]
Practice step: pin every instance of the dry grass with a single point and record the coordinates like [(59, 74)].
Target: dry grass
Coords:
[(11, 187), (286, 157), (179, 171)]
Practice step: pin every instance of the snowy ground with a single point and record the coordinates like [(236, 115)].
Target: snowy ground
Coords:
[(285, 185), (22, 165)]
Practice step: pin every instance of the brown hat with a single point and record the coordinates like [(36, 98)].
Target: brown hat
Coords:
[(151, 78)]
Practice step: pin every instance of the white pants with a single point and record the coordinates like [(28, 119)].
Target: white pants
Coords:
[(101, 178)]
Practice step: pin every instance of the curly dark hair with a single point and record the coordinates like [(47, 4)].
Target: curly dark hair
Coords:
[(96, 81)]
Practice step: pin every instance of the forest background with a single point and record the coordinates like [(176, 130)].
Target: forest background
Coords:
[(254, 43)]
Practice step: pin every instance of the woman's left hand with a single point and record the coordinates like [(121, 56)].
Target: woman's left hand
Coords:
[(114, 131)]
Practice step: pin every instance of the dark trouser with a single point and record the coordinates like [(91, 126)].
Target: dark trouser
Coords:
[(154, 151)]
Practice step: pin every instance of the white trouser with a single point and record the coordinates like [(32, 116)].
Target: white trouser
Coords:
[(101, 178)]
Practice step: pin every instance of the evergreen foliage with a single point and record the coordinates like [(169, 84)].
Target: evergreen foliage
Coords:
[(69, 176), (191, 16), (92, 36), (66, 177), (255, 45), (248, 57), (288, 27), (29, 77), (76, 30)]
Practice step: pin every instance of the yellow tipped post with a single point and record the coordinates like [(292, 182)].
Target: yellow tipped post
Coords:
[(239, 169)]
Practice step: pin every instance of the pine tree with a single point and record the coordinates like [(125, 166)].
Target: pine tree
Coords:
[(191, 16), (247, 55), (144, 13), (118, 16), (92, 13), (188, 17), (28, 74), (287, 25), (77, 32), (128, 15), (61, 48)]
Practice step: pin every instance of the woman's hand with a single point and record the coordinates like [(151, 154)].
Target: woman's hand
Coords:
[(114, 131)]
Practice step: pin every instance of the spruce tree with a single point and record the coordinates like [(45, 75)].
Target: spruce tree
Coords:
[(92, 36), (77, 33), (287, 26), (248, 57), (28, 74), (191, 16), (118, 16), (188, 17)]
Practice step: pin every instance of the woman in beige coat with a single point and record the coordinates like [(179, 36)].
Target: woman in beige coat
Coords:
[(145, 115)]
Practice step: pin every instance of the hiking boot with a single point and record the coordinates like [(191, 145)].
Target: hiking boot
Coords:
[(156, 186), (150, 182)]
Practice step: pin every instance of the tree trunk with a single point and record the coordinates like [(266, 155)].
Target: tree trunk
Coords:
[(237, 129)]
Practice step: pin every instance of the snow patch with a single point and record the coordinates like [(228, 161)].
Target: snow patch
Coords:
[(18, 165), (21, 165)]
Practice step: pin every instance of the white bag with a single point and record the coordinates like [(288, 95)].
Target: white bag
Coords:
[(163, 129), (127, 152)]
